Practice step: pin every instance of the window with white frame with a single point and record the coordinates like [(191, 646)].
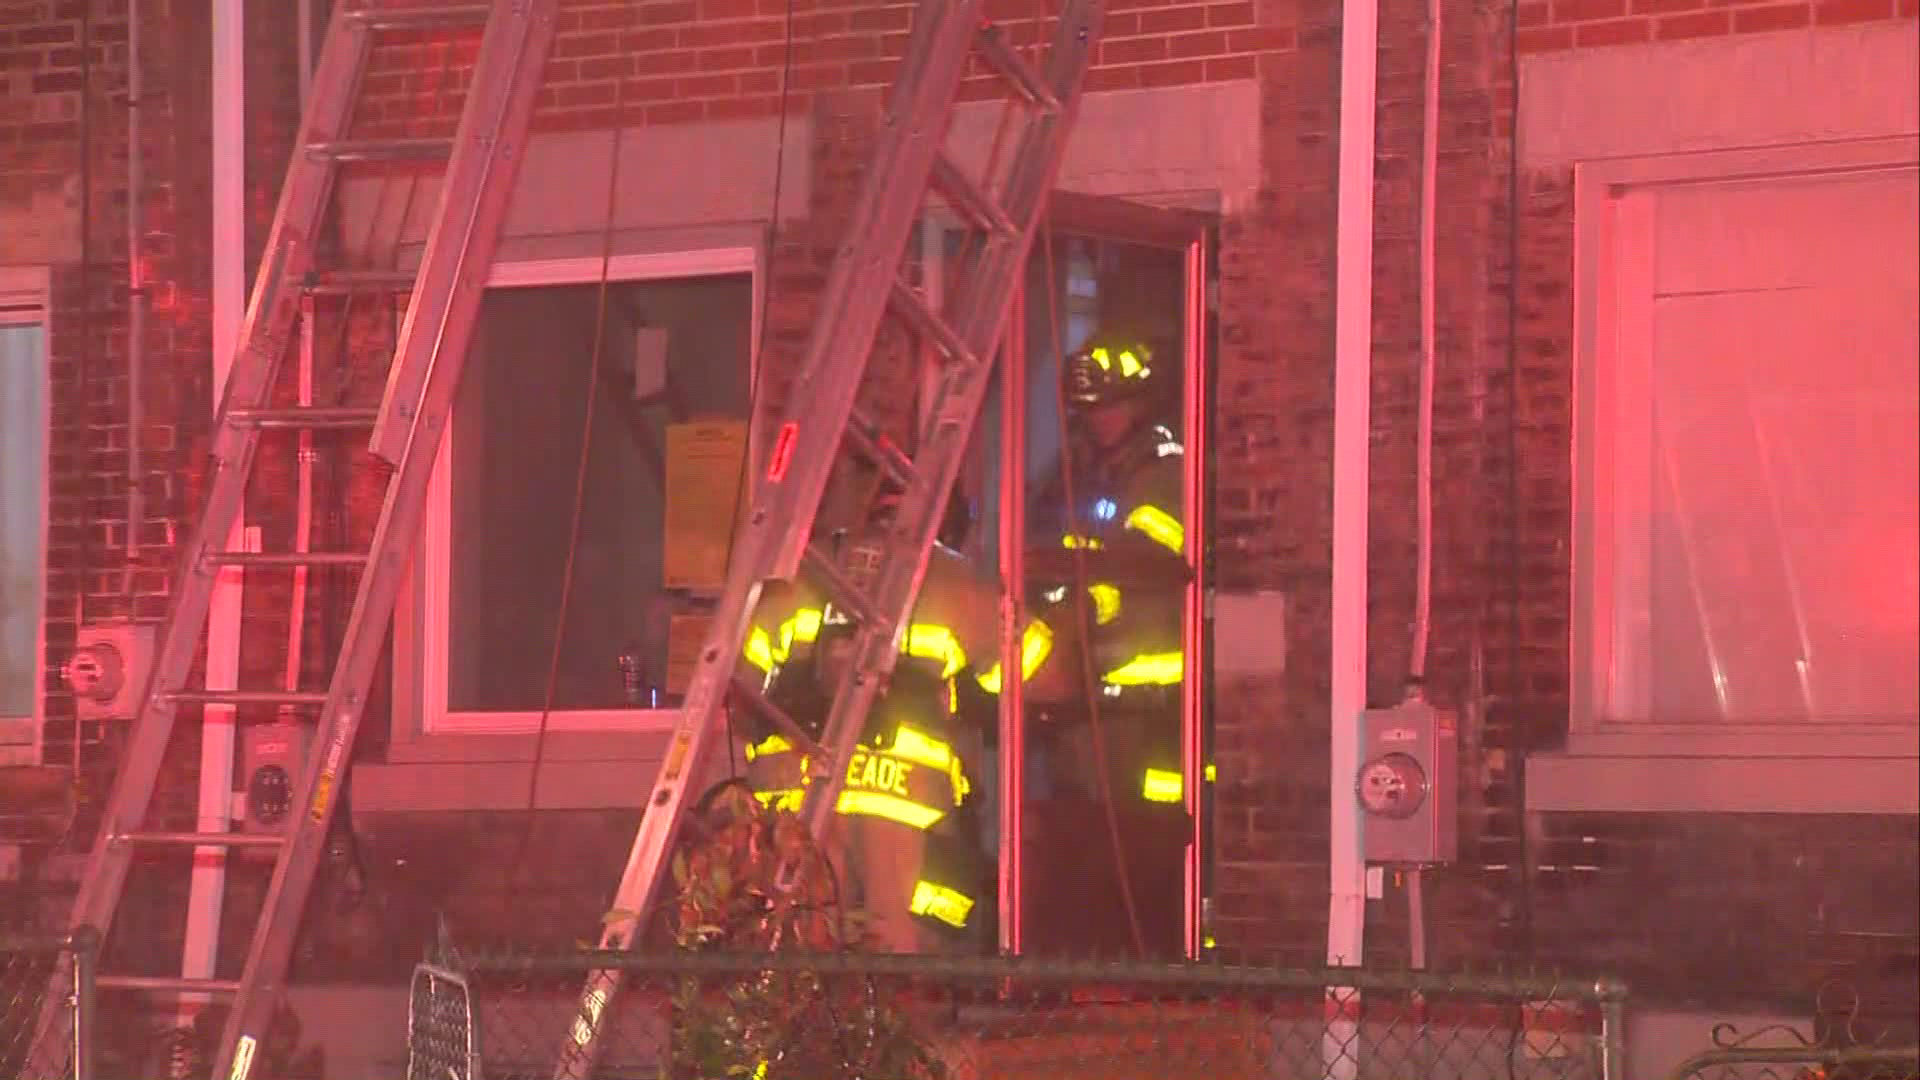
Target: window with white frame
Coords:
[(502, 572), (1747, 506), (24, 430)]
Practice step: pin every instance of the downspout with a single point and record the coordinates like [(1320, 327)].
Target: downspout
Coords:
[(1353, 362), (223, 623), (136, 310)]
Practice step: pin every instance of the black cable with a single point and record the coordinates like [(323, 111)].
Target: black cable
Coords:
[(579, 478)]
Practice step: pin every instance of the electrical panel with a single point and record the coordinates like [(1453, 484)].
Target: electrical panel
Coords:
[(271, 757), (1408, 785), (107, 670)]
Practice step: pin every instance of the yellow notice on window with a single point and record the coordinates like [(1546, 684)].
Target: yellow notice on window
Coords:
[(703, 474)]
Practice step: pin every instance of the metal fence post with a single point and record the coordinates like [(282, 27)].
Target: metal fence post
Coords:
[(1613, 1030), (85, 943)]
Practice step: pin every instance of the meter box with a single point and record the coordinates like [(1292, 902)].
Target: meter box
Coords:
[(107, 670), (1409, 784), (271, 758)]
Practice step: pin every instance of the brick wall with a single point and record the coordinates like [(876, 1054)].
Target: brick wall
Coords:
[(684, 60), (1502, 429), (65, 82), (1617, 893), (1551, 25)]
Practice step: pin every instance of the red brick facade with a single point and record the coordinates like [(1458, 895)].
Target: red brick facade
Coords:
[(1503, 422)]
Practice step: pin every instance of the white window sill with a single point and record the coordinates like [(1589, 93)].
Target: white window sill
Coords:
[(579, 770), (1665, 772)]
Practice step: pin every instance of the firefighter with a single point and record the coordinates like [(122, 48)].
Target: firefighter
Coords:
[(1124, 539), (909, 862)]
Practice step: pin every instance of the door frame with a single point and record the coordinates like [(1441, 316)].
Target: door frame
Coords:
[(1190, 232)]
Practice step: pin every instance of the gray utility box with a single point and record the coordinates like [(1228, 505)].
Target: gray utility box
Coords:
[(271, 759), (1409, 785)]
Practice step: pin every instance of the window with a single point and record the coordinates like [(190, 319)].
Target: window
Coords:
[(1747, 502), (497, 547), (24, 431)]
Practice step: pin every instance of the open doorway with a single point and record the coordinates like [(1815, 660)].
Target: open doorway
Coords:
[(1092, 508)]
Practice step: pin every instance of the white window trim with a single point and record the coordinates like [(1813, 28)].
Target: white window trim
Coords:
[(420, 641), (1648, 766), (25, 299)]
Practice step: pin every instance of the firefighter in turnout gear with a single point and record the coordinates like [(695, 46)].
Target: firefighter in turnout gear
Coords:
[(1122, 537), (905, 854)]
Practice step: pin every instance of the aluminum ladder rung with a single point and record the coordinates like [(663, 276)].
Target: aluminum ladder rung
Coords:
[(348, 282), (312, 417), (751, 696), (418, 18), (352, 150), (865, 436), (909, 303), (843, 591), (202, 839), (245, 697), (286, 558), (166, 984), (968, 197), (1014, 68)]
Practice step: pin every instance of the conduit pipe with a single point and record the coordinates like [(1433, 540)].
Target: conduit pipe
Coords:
[(1353, 363), (136, 308), (228, 134)]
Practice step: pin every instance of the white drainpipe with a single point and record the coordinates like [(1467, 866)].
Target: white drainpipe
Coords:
[(223, 623), (1353, 364)]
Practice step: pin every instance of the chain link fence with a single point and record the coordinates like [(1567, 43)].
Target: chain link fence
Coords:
[(31, 969), (790, 1016)]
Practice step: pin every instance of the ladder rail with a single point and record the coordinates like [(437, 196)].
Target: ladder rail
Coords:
[(984, 299), (432, 354), (777, 533), (263, 338), (912, 136), (778, 526)]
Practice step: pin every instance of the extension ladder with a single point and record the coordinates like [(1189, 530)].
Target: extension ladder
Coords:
[(820, 423), (481, 162)]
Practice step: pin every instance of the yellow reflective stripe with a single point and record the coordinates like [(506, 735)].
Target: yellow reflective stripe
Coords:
[(759, 650), (950, 906), (931, 641), (1103, 358), (789, 799), (921, 748), (1036, 644), (772, 744), (1072, 542), (892, 807), (1106, 602), (1130, 364), (803, 626), (911, 744), (1148, 669), (1212, 773), (1161, 785), (1159, 526)]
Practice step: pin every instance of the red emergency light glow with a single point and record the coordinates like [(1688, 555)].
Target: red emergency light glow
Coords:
[(782, 452)]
